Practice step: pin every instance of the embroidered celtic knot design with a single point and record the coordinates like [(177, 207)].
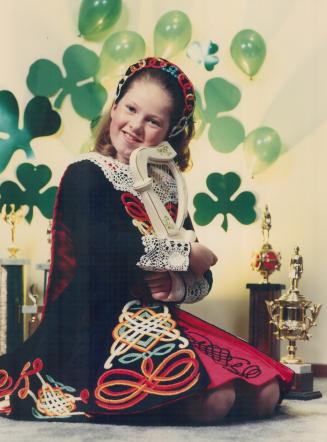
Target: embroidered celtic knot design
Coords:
[(159, 358), (120, 389), (142, 328), (53, 399)]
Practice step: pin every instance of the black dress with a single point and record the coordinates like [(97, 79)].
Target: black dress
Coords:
[(98, 349)]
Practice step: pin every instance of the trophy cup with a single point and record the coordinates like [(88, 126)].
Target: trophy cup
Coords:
[(12, 218), (265, 261), (292, 315)]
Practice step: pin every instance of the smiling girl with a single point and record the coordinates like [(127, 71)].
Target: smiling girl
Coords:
[(99, 352)]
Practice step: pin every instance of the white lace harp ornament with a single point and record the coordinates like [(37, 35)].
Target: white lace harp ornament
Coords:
[(150, 165), (156, 165)]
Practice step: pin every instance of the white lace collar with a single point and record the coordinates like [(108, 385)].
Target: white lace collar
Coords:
[(120, 176)]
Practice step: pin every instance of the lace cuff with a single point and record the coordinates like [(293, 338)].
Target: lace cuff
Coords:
[(195, 289), (164, 254)]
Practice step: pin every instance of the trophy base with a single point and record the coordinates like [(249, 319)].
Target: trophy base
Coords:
[(302, 388), (291, 361), (303, 395)]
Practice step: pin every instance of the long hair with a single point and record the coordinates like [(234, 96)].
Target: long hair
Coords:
[(179, 142)]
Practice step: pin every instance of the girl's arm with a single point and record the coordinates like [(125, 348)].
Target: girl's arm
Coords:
[(196, 281)]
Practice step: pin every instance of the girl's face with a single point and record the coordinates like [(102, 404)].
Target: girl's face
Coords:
[(140, 118)]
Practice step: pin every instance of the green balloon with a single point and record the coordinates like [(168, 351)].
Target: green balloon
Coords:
[(248, 50), (96, 17), (172, 34), (120, 50), (264, 144)]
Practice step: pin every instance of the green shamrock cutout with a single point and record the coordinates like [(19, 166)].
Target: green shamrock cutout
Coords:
[(39, 120), (33, 179), (225, 133), (81, 65), (223, 187)]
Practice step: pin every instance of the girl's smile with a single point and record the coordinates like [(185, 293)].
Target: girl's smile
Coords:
[(140, 118)]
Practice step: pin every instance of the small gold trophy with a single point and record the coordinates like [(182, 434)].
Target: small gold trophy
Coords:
[(12, 218), (266, 261), (293, 315)]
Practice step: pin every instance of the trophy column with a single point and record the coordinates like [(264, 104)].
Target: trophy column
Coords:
[(261, 331), (265, 261), (44, 266), (12, 297)]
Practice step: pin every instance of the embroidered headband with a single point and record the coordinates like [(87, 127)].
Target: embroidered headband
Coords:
[(184, 83)]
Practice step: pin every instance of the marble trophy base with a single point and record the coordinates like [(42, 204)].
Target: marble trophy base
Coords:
[(302, 388)]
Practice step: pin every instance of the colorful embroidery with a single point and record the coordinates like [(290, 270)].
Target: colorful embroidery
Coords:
[(142, 328), (51, 399), (165, 366), (5, 383), (135, 209), (7, 388), (119, 389)]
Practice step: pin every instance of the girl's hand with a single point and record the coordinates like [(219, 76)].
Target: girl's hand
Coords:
[(159, 284), (201, 259)]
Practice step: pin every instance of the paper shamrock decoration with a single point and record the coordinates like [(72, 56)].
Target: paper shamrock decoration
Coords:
[(39, 120), (32, 179), (203, 53), (225, 132), (224, 187), (81, 65)]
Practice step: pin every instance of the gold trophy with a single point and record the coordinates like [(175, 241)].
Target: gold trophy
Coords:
[(266, 261), (293, 315), (12, 218)]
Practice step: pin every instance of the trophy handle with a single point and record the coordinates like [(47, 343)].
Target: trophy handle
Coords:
[(274, 317), (311, 321)]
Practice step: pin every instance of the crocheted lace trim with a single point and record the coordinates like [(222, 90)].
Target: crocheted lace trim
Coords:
[(195, 290), (120, 176), (164, 254), (159, 253)]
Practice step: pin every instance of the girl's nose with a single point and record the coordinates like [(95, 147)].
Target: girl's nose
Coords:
[(136, 123)]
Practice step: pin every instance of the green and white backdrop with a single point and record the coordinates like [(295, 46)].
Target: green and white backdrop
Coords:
[(259, 68)]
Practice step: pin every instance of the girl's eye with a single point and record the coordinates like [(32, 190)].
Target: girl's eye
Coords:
[(154, 122), (130, 108)]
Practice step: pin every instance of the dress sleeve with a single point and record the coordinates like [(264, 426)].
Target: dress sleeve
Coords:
[(196, 289), (92, 210), (164, 254), (173, 255)]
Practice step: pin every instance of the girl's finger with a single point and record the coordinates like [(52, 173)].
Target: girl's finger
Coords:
[(156, 276), (160, 296), (158, 286)]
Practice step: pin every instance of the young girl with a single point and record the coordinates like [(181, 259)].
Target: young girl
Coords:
[(100, 352)]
